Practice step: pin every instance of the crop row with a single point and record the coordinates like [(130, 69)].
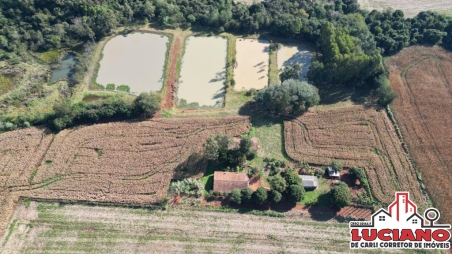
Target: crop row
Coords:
[(420, 77), (358, 137)]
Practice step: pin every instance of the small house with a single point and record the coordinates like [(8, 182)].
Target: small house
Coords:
[(309, 182), (228, 181), (333, 173)]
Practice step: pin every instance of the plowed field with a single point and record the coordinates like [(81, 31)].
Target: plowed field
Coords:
[(114, 163), (358, 137), (422, 79)]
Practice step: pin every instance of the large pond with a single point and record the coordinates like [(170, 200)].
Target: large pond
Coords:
[(66, 68), (291, 54), (203, 72), (252, 64), (136, 60)]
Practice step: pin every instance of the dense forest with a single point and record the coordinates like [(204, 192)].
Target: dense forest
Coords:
[(351, 41)]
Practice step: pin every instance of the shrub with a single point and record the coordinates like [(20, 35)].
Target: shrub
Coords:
[(146, 104), (291, 177), (236, 196), (124, 88), (247, 195), (296, 193), (277, 183), (274, 197), (260, 195), (111, 87), (187, 186), (336, 165), (341, 194)]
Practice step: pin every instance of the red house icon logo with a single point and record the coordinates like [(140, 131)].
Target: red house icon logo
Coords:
[(401, 227)]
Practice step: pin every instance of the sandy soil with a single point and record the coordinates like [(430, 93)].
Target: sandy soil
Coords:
[(410, 7), (203, 71), (252, 64), (136, 60), (291, 54)]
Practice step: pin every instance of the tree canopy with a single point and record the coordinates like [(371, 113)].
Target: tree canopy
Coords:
[(341, 194), (292, 97)]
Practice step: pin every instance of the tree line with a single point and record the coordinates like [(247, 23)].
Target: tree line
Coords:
[(351, 41)]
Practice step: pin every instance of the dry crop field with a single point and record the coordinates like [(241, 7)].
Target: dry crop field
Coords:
[(116, 162), (82, 229), (410, 7), (358, 137), (422, 79)]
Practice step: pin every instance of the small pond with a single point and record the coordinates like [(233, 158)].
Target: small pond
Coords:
[(66, 68)]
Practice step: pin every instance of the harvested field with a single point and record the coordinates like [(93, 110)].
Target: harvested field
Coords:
[(358, 137), (75, 228), (422, 79), (410, 7), (290, 54), (114, 163), (20, 153), (136, 60), (252, 64), (203, 72)]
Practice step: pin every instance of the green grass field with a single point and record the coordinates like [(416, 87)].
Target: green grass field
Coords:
[(6, 84), (320, 196)]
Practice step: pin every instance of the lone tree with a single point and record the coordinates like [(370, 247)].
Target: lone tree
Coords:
[(146, 104), (292, 97), (295, 193), (274, 197), (293, 72), (260, 195), (341, 194), (277, 183), (336, 165), (236, 196)]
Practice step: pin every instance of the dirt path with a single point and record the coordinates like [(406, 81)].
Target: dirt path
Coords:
[(171, 86)]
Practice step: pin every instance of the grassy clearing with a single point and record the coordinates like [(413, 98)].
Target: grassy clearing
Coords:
[(50, 56), (6, 83), (273, 77), (269, 132), (76, 228), (320, 196)]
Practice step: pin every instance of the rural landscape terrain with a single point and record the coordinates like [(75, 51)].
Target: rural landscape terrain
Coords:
[(117, 117)]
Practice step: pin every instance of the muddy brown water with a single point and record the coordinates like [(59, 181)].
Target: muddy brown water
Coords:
[(137, 60), (203, 71), (252, 64), (293, 53)]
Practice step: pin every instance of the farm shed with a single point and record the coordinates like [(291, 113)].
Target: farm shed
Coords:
[(309, 182), (333, 173), (227, 181)]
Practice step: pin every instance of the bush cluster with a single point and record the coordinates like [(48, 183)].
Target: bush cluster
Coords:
[(188, 186)]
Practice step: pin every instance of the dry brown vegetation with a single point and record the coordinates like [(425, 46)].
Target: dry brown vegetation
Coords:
[(114, 163), (20, 153), (422, 79), (358, 137), (410, 7)]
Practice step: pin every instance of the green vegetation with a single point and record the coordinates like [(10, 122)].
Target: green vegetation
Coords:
[(336, 165), (295, 193), (340, 194), (147, 104), (217, 150), (260, 195), (277, 183), (50, 56), (274, 196), (188, 186), (292, 97), (320, 196), (124, 88), (292, 72), (110, 87), (6, 84), (236, 196)]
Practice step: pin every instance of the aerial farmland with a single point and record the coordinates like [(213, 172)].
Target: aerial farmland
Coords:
[(220, 126)]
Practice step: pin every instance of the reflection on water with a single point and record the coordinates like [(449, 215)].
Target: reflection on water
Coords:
[(66, 68)]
